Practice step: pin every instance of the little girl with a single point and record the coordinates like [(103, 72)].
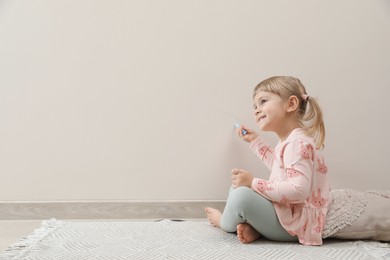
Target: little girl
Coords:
[(291, 205)]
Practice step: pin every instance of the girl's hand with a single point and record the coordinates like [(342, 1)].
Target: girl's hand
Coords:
[(241, 178), (250, 134)]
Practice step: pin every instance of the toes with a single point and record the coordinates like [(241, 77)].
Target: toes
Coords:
[(240, 233)]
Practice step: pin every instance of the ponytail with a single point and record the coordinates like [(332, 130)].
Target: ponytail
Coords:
[(312, 121)]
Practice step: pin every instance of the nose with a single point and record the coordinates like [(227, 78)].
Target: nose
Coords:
[(257, 111)]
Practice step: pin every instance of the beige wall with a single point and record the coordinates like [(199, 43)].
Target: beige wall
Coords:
[(132, 99)]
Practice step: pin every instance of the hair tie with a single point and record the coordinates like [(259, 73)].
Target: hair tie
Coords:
[(305, 97)]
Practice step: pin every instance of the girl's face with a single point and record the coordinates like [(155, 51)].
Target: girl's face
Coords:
[(270, 111)]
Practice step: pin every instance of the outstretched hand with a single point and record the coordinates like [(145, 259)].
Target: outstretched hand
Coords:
[(241, 178), (249, 136)]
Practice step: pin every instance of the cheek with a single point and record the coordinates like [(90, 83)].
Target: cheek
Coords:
[(277, 113)]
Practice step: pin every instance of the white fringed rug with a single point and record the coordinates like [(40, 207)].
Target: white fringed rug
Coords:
[(57, 240)]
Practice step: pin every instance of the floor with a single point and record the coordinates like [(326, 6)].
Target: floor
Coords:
[(11, 231)]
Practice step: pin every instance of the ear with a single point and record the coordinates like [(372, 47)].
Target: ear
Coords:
[(292, 104)]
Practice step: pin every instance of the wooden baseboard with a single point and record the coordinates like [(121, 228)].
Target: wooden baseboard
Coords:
[(32, 210)]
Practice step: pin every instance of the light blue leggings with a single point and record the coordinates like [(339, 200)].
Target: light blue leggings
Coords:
[(246, 206)]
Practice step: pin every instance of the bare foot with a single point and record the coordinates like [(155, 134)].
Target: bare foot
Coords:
[(246, 233), (214, 216)]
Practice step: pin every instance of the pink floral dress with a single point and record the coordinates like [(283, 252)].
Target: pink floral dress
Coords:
[(298, 185)]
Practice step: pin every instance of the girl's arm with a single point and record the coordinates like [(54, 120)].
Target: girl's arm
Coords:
[(294, 180), (295, 190), (263, 151)]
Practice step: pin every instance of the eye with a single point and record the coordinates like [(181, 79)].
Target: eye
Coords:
[(262, 101)]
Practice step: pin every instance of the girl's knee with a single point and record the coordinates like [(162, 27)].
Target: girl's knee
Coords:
[(241, 196), (242, 191), (246, 200)]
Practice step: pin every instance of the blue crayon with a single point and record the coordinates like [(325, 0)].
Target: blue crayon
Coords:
[(244, 132)]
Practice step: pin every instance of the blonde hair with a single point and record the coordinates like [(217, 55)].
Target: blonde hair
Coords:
[(309, 112)]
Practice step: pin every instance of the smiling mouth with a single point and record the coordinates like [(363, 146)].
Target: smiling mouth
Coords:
[(260, 118)]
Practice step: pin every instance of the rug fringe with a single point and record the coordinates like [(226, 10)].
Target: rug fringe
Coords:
[(20, 248)]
